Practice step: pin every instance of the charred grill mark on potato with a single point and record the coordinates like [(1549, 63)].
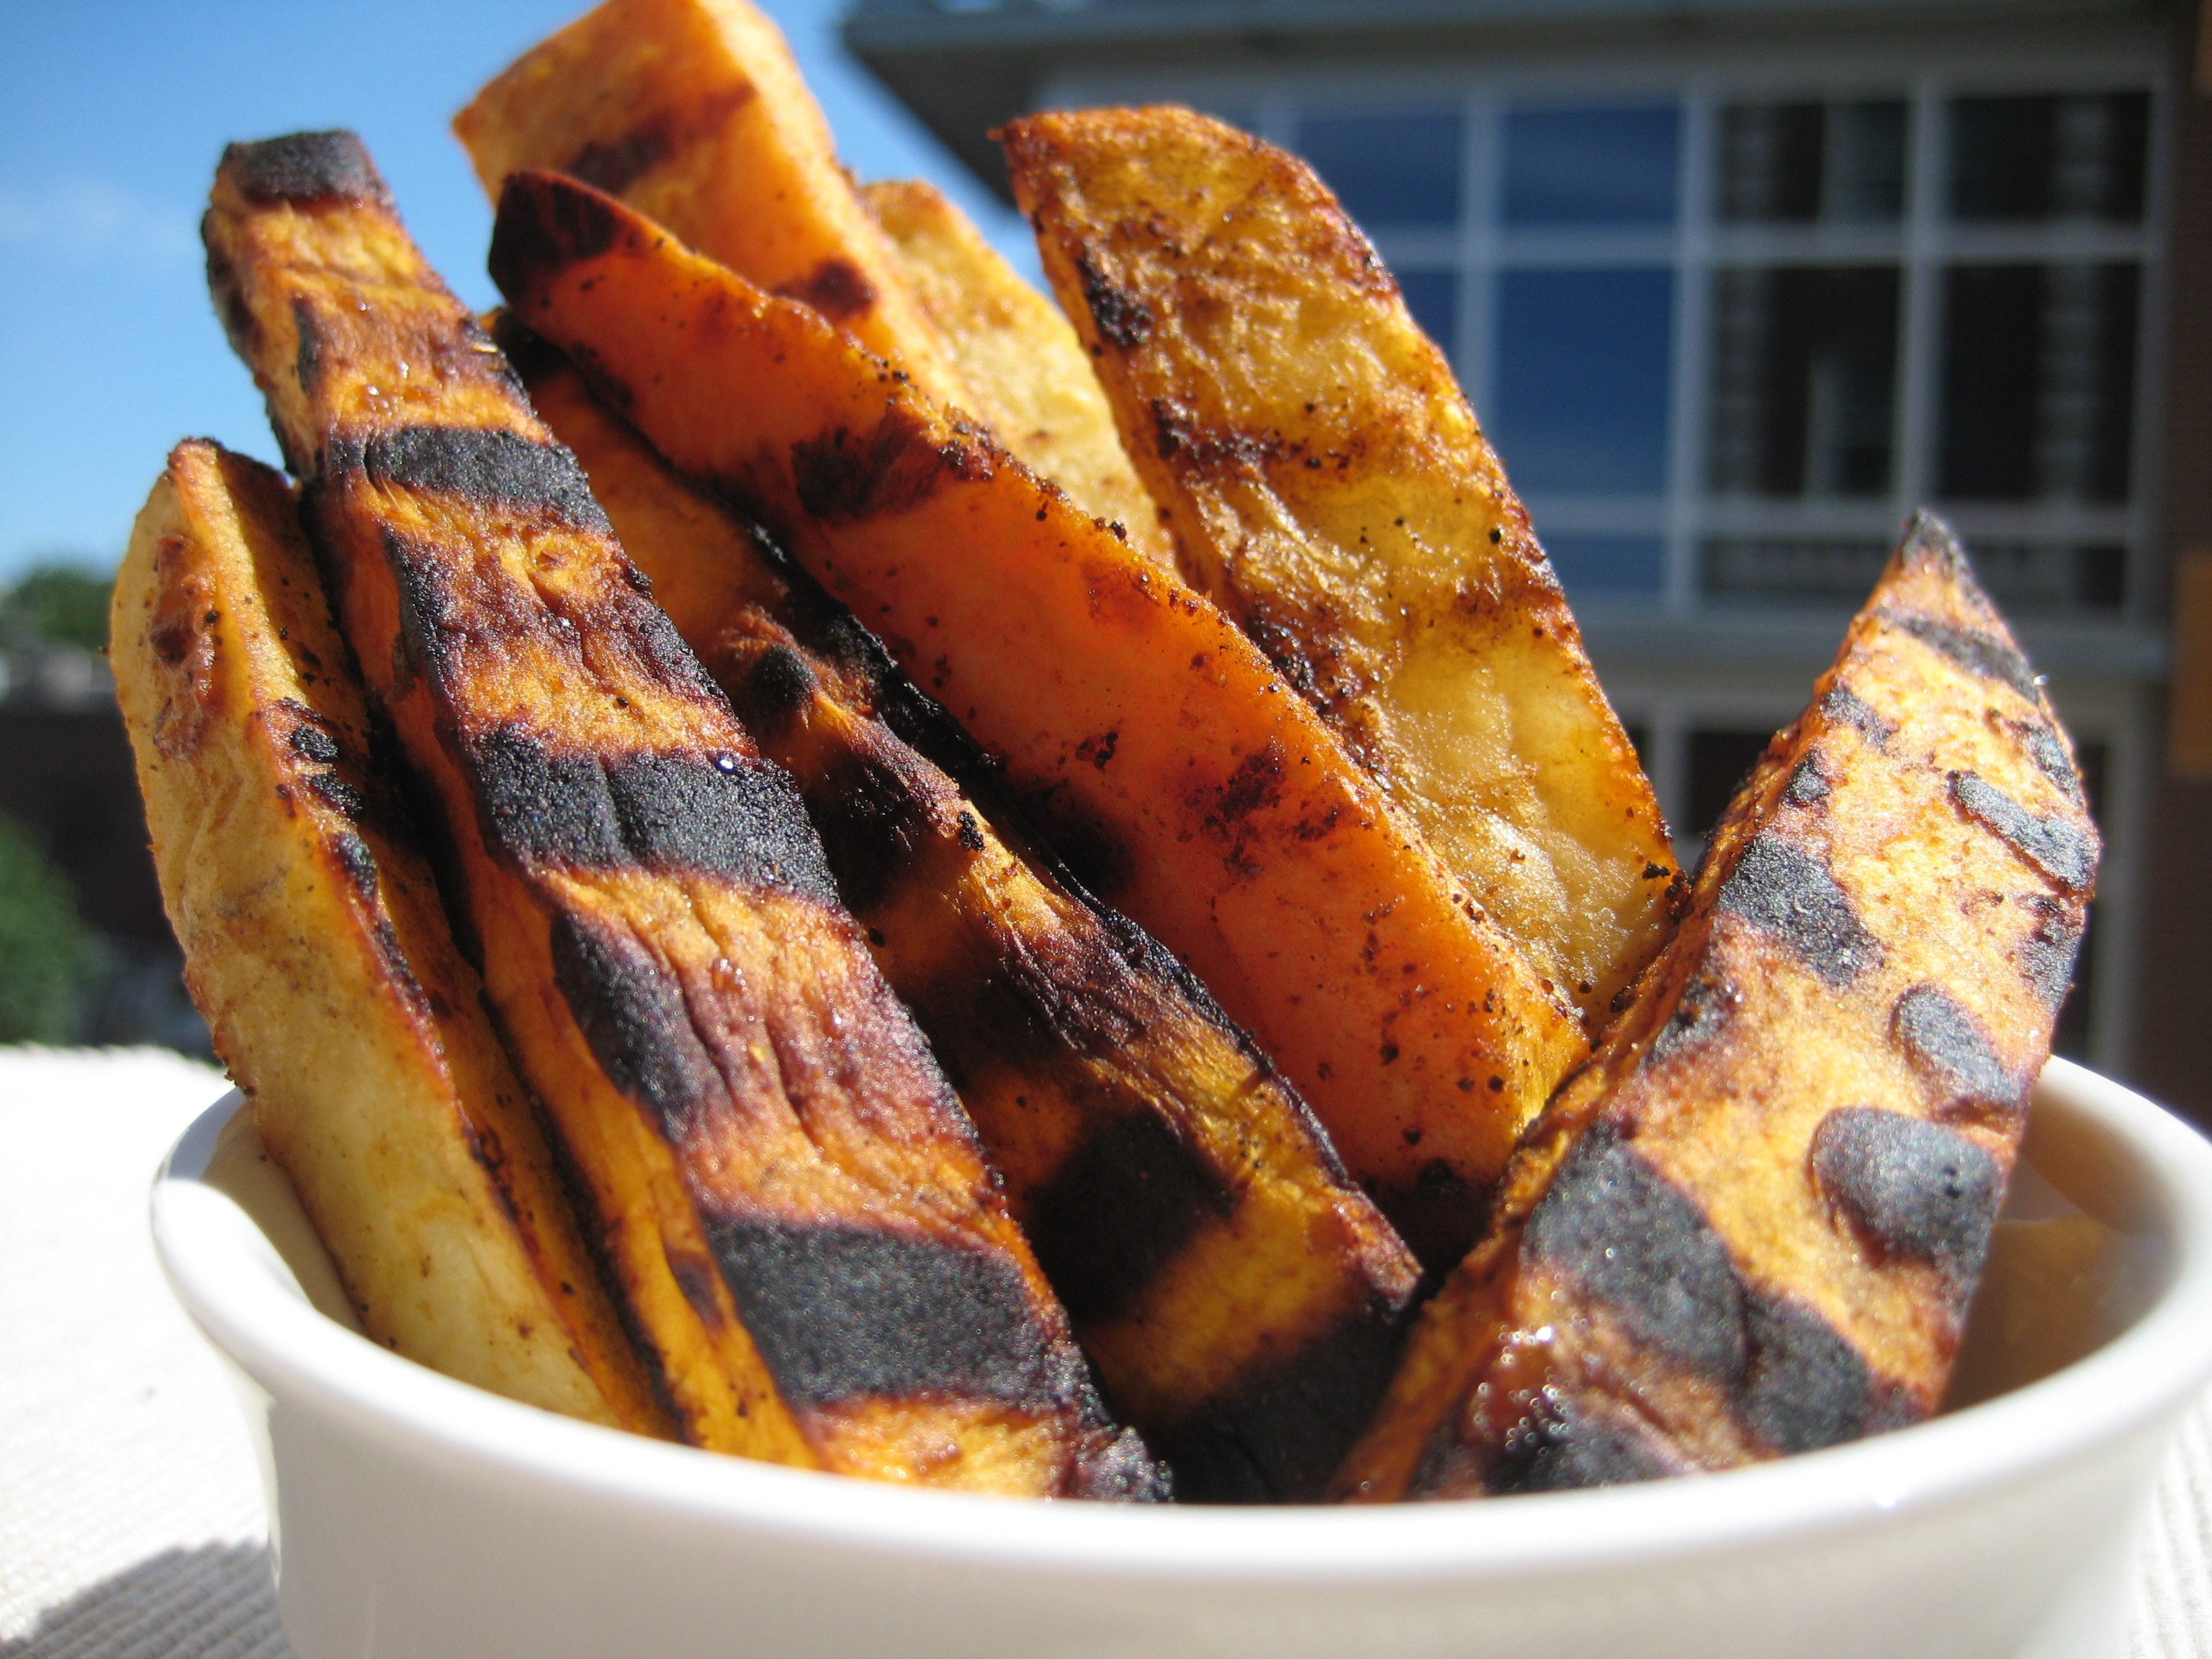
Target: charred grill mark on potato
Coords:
[(1634, 1243), (895, 467), (1752, 1223), (1241, 1300), (1244, 835), (1287, 1424), (305, 169), (1786, 892), (632, 1014), (1944, 1040), (836, 288), (493, 465), (615, 163), (1980, 653), (1125, 1201), (659, 930), (2055, 847), (1909, 1187), (848, 1311)]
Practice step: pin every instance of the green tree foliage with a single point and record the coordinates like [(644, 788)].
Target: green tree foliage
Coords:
[(45, 950), (57, 605)]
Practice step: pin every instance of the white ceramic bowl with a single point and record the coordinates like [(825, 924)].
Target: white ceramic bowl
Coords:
[(415, 1517)]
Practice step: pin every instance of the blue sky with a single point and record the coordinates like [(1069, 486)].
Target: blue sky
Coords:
[(112, 116)]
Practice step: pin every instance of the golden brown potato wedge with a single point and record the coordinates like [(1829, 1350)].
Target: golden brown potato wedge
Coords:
[(1204, 799), (1026, 370), (1752, 1224), (1241, 1299), (315, 946), (693, 113), (792, 1209), (1330, 489)]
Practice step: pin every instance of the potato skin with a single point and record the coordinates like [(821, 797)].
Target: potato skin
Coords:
[(791, 1208), (1328, 488), (1241, 1299), (316, 947), (1026, 372), (1192, 790), (1751, 1225)]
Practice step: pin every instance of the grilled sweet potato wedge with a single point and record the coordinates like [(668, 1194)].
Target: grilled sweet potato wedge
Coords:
[(1751, 1225), (1328, 487), (693, 113), (315, 946), (1240, 1298), (1026, 370), (792, 1208), (1205, 800)]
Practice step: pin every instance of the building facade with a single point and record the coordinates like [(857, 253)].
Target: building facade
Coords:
[(1735, 285)]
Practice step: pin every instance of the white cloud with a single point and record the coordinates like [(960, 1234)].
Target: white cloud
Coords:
[(83, 221)]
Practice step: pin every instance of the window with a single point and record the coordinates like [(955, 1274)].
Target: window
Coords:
[(1804, 380), (1752, 331), (1591, 164), (2038, 381), (1387, 168), (1583, 378), (2035, 158), (1803, 162)]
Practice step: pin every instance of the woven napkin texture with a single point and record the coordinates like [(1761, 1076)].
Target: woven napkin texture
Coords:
[(131, 1524)]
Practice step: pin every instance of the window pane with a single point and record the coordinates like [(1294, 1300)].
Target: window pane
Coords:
[(1433, 298), (2030, 577), (1594, 164), (2038, 381), (1719, 759), (1388, 169), (2050, 157), (1782, 570), (1583, 378), (1803, 161), (1804, 380), (1608, 567)]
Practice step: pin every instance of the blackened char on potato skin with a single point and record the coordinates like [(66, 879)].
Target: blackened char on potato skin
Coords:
[(1751, 1225), (663, 950), (1148, 1146)]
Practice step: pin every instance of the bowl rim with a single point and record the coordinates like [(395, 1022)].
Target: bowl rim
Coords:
[(237, 1289)]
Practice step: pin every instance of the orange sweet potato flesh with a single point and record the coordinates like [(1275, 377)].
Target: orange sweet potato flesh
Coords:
[(1199, 794), (1241, 1299), (695, 113), (792, 1211)]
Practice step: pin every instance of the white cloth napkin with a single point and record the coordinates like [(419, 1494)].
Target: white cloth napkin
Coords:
[(131, 1524)]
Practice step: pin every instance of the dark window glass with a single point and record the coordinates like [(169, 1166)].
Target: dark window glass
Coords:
[(1582, 374), (2024, 158), (1802, 161), (1388, 169), (1779, 569), (2038, 382), (1433, 298), (2027, 578), (1804, 380), (1719, 761), (1600, 164), (1608, 567)]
